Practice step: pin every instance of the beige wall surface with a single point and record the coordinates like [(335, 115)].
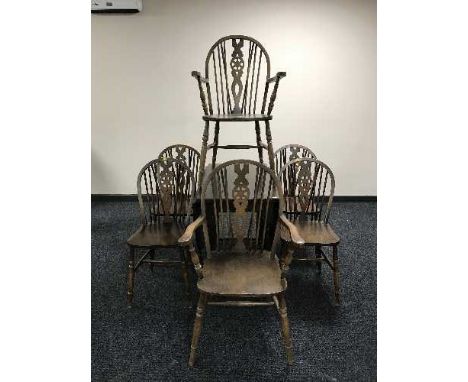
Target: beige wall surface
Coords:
[(144, 99)]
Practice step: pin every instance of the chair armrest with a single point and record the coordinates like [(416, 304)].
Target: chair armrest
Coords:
[(198, 76), (201, 80), (277, 77), (187, 236), (296, 238)]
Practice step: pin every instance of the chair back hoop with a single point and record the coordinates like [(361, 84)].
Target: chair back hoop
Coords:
[(290, 152), (308, 187), (186, 154), (236, 67), (166, 189), (241, 216)]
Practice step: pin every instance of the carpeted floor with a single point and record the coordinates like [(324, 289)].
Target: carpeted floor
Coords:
[(151, 341)]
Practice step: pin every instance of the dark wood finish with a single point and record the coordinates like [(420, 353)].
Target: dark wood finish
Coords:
[(241, 275), (241, 261), (237, 68), (166, 190), (308, 186)]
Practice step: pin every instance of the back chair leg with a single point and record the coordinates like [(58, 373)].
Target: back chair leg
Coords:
[(318, 255), (215, 145), (285, 327), (197, 327), (151, 254), (131, 275), (336, 274), (259, 141)]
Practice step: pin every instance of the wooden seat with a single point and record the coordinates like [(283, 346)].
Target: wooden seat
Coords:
[(241, 275), (158, 234), (237, 117), (316, 233)]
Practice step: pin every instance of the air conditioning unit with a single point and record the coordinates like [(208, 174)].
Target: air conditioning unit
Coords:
[(116, 6)]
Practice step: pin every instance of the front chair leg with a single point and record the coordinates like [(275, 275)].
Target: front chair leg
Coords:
[(336, 274), (259, 141), (131, 275), (285, 327), (201, 170), (197, 327), (271, 155)]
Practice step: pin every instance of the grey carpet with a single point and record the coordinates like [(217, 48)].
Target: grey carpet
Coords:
[(150, 342)]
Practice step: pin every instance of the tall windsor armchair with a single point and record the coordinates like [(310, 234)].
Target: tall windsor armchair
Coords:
[(186, 154), (241, 267), (308, 187), (166, 188), (237, 87)]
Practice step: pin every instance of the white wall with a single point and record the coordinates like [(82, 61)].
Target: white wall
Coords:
[(143, 97)]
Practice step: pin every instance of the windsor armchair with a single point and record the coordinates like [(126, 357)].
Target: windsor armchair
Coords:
[(308, 187), (166, 189), (236, 87), (186, 154), (240, 264)]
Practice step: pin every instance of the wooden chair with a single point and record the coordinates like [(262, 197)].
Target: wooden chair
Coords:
[(166, 190), (186, 154), (308, 186), (290, 152), (241, 267), (236, 67)]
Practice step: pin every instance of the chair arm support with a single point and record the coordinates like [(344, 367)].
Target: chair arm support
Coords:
[(187, 236), (296, 238), (186, 240), (201, 80), (276, 79)]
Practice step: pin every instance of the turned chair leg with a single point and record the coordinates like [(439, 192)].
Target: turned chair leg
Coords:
[(270, 145), (259, 141), (184, 270), (336, 274), (131, 275), (285, 327), (318, 255), (197, 327), (204, 148), (215, 145)]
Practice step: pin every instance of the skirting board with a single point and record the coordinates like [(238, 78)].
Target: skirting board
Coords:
[(133, 197)]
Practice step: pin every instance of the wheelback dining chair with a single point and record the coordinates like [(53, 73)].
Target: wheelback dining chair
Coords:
[(308, 187), (186, 154), (290, 152), (235, 88), (166, 188), (241, 233)]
